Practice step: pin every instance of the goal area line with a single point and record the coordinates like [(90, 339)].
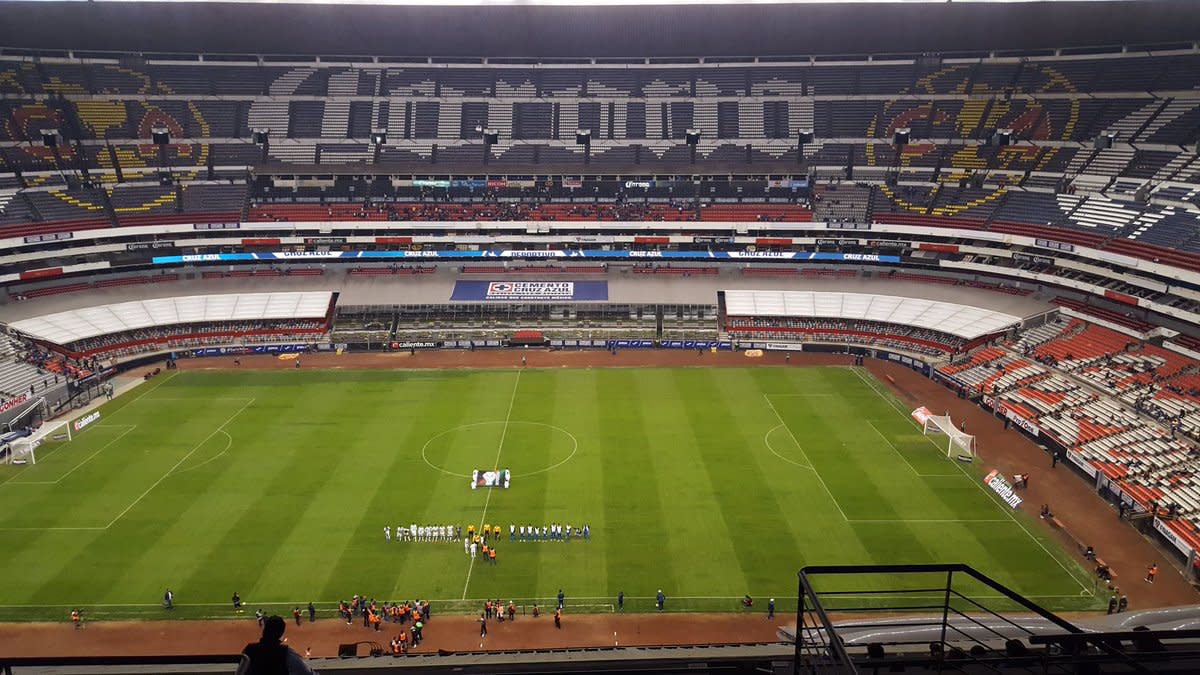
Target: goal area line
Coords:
[(891, 400)]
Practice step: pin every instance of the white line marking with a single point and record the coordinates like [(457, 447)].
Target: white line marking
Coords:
[(154, 388), (89, 457), (814, 466), (979, 485), (228, 445), (897, 450), (495, 465), (773, 452), (12, 479), (930, 520), (326, 604), (51, 529), (199, 398), (177, 464), (425, 448)]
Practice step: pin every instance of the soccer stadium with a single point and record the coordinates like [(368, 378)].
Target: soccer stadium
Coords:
[(489, 337)]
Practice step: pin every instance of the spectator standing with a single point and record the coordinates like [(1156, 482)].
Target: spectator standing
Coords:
[(312, 613), (771, 608), (660, 600), (269, 655), (621, 601)]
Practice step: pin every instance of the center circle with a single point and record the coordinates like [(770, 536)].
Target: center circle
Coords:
[(516, 443)]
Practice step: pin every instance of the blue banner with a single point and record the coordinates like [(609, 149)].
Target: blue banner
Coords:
[(695, 344), (453, 255), (631, 344), (509, 291), (256, 349)]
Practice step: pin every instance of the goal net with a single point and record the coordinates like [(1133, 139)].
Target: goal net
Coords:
[(958, 443), (19, 436), (23, 449)]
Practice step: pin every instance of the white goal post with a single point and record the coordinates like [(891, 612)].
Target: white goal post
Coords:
[(24, 450), (959, 444), (17, 438)]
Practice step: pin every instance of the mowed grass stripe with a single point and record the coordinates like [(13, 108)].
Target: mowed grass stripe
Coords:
[(639, 532), (672, 473), (699, 540), (412, 492), (307, 432), (726, 436), (876, 484), (820, 532), (1051, 561), (208, 501), (116, 480), (570, 494)]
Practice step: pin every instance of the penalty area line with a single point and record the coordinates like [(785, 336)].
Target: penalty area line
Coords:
[(813, 466), (179, 463), (977, 484)]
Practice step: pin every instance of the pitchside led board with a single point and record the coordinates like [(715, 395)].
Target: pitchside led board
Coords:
[(523, 291), (489, 479)]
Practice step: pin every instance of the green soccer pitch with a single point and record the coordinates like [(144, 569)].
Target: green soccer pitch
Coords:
[(706, 483)]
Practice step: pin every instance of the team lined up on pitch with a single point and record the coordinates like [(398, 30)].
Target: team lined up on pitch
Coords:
[(446, 533)]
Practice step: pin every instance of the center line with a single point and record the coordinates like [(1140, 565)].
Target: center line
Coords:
[(495, 465)]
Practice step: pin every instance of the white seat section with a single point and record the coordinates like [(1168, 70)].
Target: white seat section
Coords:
[(67, 327), (959, 320)]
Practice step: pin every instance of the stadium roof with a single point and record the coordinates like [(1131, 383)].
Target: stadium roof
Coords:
[(946, 317), (76, 324), (527, 30)]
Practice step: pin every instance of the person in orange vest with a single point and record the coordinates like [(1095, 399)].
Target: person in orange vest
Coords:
[(376, 621), (558, 619), (492, 555), (487, 609), (395, 645), (296, 615), (1151, 572), (77, 619)]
